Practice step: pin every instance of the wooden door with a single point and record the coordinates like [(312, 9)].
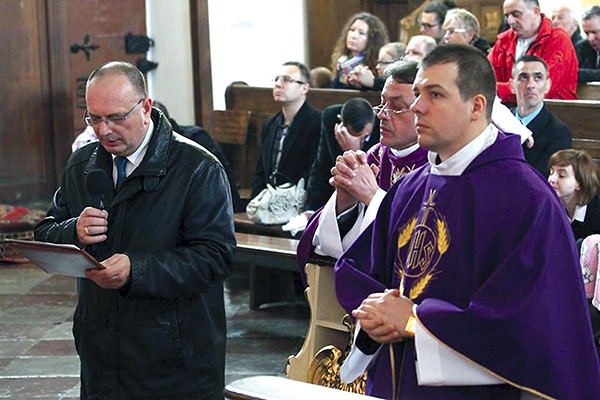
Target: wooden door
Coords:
[(26, 171), (42, 83), (100, 27)]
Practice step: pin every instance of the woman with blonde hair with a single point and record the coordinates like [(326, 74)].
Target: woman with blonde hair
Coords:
[(462, 27), (358, 44)]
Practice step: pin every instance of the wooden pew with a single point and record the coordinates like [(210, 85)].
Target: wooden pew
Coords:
[(260, 99), (245, 225), (579, 115), (588, 91), (272, 263), (326, 329)]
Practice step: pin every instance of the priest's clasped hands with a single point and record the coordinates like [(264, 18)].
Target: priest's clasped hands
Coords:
[(384, 316)]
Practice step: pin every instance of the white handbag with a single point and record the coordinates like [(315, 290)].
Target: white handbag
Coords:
[(276, 205)]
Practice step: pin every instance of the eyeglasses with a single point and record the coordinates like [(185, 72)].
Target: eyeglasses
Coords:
[(452, 31), (388, 111), (379, 62), (427, 26), (287, 79), (116, 119)]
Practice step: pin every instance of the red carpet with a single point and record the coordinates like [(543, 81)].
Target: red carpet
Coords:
[(17, 223)]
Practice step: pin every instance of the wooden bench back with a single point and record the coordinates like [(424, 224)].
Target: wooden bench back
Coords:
[(580, 116), (260, 99), (230, 129), (230, 126), (588, 91)]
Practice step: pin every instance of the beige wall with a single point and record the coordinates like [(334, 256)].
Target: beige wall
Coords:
[(578, 5), (249, 40), (172, 81)]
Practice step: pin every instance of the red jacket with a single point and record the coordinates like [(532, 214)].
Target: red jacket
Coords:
[(553, 45)]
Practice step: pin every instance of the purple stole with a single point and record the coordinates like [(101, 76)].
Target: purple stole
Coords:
[(391, 168), (489, 258)]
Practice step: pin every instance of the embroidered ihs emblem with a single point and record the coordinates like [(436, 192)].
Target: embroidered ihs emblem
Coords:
[(428, 238)]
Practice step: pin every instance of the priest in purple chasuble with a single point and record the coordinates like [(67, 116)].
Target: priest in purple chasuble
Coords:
[(331, 231), (396, 154), (468, 280)]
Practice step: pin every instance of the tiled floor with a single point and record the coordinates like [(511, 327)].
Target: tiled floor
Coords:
[(38, 359)]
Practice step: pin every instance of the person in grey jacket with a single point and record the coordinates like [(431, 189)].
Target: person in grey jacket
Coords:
[(151, 324), (588, 49)]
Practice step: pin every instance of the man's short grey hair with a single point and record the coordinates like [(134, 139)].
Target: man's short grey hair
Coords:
[(402, 71), (466, 19), (395, 49), (429, 42), (130, 71), (593, 11), (567, 10)]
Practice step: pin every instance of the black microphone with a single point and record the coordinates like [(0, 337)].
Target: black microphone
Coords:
[(97, 182)]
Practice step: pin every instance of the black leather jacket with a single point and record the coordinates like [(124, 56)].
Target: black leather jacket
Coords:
[(163, 334)]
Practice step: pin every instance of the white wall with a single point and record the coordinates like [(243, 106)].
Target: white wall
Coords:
[(548, 5), (249, 40), (168, 24)]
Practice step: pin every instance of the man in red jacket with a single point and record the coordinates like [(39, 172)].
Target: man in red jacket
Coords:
[(531, 32)]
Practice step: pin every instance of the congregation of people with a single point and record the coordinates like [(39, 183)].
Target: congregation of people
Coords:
[(352, 216), (465, 227)]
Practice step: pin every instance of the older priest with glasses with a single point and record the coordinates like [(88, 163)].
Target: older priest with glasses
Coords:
[(362, 179), (155, 209)]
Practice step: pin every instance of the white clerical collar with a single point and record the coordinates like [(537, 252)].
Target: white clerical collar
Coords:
[(137, 156), (579, 214), (459, 161), (404, 152)]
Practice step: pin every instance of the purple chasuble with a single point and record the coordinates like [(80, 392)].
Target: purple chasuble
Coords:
[(391, 168), (489, 258)]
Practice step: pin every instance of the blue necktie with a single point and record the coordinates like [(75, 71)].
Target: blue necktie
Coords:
[(120, 163)]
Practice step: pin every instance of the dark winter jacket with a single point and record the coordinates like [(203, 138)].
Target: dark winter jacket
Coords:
[(163, 334)]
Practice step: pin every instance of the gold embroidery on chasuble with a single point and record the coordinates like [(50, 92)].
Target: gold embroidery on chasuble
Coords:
[(398, 173), (422, 241)]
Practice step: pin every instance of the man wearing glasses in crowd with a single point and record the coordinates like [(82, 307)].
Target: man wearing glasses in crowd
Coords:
[(433, 17), (290, 137), (151, 323)]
